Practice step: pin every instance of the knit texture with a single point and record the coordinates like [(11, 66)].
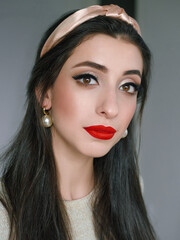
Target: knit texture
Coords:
[(79, 212), (4, 221)]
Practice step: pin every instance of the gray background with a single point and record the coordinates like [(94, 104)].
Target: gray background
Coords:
[(160, 161), (22, 24)]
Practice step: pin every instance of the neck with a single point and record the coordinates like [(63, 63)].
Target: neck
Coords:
[(75, 172)]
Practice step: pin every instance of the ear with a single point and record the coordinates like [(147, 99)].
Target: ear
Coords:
[(47, 101)]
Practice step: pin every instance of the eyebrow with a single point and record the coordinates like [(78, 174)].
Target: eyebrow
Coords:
[(105, 69), (132, 72), (93, 65)]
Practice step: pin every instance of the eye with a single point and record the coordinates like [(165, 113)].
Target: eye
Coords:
[(130, 87), (86, 79)]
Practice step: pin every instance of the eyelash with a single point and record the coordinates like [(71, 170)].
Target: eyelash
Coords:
[(81, 77), (86, 76), (136, 87)]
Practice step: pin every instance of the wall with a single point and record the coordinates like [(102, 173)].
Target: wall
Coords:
[(160, 161)]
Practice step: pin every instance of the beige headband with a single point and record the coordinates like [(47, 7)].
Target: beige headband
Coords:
[(83, 15)]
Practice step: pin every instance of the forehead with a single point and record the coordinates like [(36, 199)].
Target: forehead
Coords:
[(108, 51)]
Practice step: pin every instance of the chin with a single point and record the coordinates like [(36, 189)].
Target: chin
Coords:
[(97, 151)]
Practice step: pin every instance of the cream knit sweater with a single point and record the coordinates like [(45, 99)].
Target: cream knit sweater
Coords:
[(79, 212)]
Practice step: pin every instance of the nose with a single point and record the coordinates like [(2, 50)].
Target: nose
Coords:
[(108, 104)]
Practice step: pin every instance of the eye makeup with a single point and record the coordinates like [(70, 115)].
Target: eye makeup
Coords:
[(86, 79), (130, 87)]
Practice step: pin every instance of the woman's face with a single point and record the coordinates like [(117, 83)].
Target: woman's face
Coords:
[(96, 88)]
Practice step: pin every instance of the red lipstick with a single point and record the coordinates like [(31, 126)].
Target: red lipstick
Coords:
[(101, 132)]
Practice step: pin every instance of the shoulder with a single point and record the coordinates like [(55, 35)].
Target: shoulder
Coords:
[(4, 219)]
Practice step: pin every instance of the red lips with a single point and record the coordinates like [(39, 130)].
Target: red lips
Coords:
[(101, 132)]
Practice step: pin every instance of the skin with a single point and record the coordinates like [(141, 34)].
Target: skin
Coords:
[(78, 103)]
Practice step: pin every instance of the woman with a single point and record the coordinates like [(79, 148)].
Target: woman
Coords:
[(71, 172)]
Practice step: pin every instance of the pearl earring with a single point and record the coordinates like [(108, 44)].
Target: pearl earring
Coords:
[(46, 119), (125, 133)]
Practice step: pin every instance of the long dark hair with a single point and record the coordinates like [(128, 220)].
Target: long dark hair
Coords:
[(31, 194)]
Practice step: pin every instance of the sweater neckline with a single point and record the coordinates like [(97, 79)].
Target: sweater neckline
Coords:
[(79, 200)]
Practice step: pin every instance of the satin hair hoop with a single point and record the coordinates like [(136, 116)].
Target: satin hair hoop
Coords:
[(83, 15)]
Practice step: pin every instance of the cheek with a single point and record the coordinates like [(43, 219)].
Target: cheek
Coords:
[(63, 102), (131, 111), (127, 111)]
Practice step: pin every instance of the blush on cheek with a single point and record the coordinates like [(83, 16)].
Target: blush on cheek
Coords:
[(65, 103), (129, 112), (132, 112)]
